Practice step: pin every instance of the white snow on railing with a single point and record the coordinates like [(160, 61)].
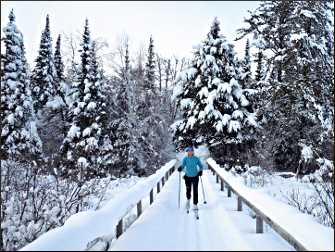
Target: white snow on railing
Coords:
[(302, 227), (84, 227)]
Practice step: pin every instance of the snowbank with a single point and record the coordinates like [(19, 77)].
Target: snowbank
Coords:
[(302, 227), (84, 227)]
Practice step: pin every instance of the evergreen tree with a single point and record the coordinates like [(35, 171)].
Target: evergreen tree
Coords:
[(246, 67), (295, 36), (19, 138), (149, 78), (260, 68), (215, 108), (44, 74), (87, 135), (59, 65)]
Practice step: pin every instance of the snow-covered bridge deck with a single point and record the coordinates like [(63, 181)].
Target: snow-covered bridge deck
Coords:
[(165, 227)]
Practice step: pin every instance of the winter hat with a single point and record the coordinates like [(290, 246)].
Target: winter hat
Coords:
[(190, 148)]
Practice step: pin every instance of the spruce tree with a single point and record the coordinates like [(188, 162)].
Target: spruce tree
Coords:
[(59, 65), (246, 67), (87, 135), (214, 106), (44, 73), (260, 68), (19, 138), (295, 36)]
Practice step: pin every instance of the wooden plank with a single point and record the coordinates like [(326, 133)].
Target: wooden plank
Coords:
[(119, 229), (229, 191), (151, 196), (239, 203), (139, 208), (259, 224)]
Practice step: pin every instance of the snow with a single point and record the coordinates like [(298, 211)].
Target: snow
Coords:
[(177, 90), (55, 103), (185, 103), (84, 227), (82, 161), (87, 132), (219, 227), (190, 122), (11, 119), (74, 131), (313, 235), (234, 126), (203, 92), (91, 106), (306, 152)]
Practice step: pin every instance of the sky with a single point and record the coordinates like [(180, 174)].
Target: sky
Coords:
[(175, 25)]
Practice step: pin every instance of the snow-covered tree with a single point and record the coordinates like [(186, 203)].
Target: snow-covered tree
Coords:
[(215, 108), (44, 73), (149, 78), (19, 138), (86, 136), (59, 65), (260, 67), (246, 68), (295, 37)]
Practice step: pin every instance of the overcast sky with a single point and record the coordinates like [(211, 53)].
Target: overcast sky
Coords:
[(175, 26)]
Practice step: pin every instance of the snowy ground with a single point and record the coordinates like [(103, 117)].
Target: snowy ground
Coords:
[(165, 227)]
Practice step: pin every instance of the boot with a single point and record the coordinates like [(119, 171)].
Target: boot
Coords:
[(188, 205)]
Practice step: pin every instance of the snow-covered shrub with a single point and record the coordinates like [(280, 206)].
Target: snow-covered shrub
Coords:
[(319, 200), (33, 203), (256, 176)]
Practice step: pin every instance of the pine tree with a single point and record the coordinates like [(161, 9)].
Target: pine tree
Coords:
[(215, 108), (44, 74), (19, 138)]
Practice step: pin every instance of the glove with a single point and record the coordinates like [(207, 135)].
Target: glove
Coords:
[(180, 169), (200, 173)]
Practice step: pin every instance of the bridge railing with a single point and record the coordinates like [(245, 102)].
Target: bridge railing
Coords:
[(288, 227), (159, 185)]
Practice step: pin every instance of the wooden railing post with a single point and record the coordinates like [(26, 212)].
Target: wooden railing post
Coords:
[(217, 178), (119, 229), (259, 224), (158, 187), (222, 185), (229, 191), (139, 208), (163, 182), (151, 196), (239, 203)]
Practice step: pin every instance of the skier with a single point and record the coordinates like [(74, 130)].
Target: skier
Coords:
[(190, 166)]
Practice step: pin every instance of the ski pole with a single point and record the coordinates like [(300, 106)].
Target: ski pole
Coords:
[(203, 191), (179, 190)]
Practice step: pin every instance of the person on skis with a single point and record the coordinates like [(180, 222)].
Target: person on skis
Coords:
[(192, 167)]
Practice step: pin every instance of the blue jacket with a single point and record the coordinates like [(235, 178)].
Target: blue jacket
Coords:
[(190, 166)]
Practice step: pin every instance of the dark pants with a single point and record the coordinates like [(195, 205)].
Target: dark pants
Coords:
[(192, 182)]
